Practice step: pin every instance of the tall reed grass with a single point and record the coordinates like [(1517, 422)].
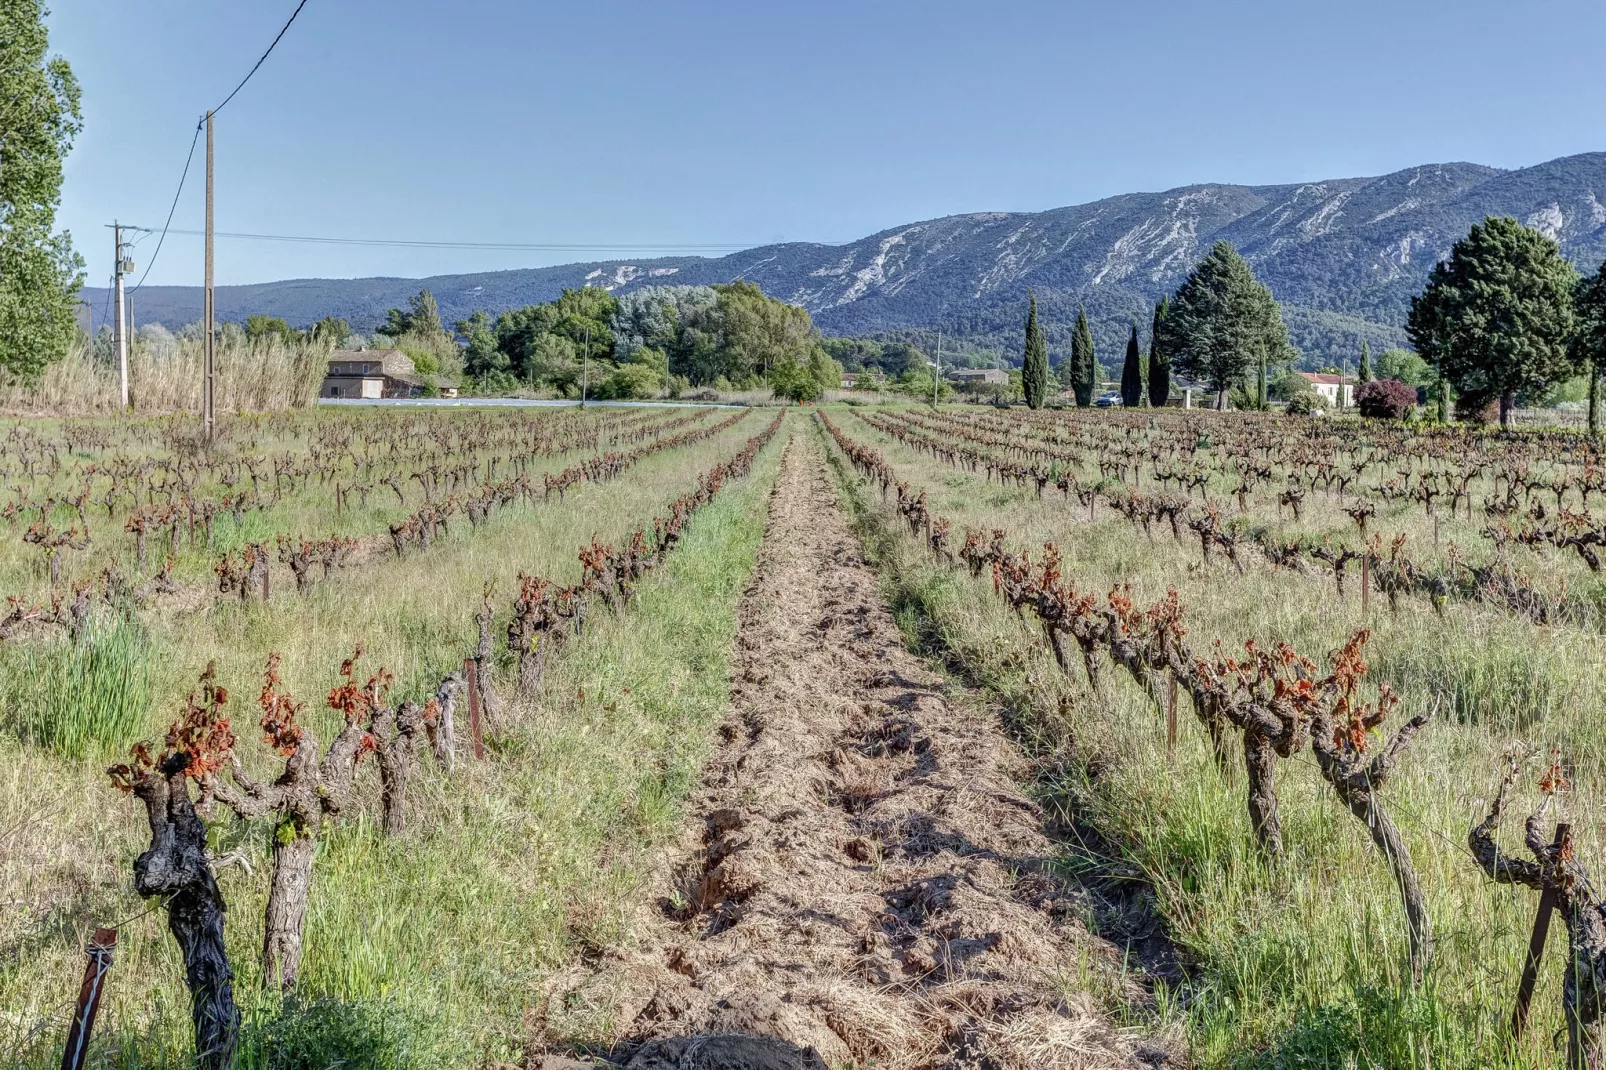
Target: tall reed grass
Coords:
[(164, 375), (78, 697)]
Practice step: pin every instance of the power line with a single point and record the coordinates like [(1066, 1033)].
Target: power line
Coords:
[(263, 60), (511, 246), (190, 158), (171, 209)]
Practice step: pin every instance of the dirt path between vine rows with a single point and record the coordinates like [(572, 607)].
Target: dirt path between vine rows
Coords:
[(862, 877)]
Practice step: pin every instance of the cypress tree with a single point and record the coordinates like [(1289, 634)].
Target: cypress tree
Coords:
[(1084, 364), (1365, 374), (1034, 365), (1159, 363), (1132, 373)]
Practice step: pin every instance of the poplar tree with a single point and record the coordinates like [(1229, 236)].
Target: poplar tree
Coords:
[(1034, 365), (1132, 373), (1159, 363), (1364, 376), (1084, 365), (40, 275)]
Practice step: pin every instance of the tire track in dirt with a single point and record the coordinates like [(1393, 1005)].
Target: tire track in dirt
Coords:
[(863, 875)]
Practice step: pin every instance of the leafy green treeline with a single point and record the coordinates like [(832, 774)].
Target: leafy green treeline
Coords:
[(659, 338)]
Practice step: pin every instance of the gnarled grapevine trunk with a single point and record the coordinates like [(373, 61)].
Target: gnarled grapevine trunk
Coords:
[(1357, 782), (1557, 870), (175, 866), (483, 663), (1260, 762), (443, 729), (286, 914), (397, 733)]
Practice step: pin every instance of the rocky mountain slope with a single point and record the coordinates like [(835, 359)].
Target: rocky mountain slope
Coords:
[(1344, 257)]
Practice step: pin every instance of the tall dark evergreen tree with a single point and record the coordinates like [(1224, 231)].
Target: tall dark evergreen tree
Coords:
[(1159, 363), (1496, 318), (1132, 373), (1084, 364), (1365, 374), (1034, 365), (1221, 320), (1589, 340)]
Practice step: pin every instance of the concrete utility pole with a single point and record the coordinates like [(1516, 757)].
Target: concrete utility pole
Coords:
[(207, 309), (120, 327), (936, 379)]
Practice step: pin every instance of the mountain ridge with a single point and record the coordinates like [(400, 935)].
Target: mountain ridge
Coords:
[(1343, 255)]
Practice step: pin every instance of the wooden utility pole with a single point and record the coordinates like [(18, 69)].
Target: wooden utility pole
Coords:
[(120, 327), (207, 311)]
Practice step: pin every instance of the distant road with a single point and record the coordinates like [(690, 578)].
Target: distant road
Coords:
[(517, 403)]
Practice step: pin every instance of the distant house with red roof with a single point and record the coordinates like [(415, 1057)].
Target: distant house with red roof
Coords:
[(1336, 390)]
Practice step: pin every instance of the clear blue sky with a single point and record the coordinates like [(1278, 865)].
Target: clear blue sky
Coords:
[(692, 123)]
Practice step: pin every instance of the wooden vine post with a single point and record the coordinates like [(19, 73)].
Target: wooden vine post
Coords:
[(102, 946), (475, 731), (1171, 720), (1536, 942)]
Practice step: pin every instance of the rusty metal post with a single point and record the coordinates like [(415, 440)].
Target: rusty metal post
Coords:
[(1536, 942), (102, 945), (471, 673), (265, 573), (1366, 582)]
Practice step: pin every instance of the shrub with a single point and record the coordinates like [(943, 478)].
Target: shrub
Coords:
[(322, 1033), (1303, 403), (492, 384), (794, 382), (1477, 409), (1385, 399), (629, 382)]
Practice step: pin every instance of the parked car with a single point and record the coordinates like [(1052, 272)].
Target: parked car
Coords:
[(1104, 401)]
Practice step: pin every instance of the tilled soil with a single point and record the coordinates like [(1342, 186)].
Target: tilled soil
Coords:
[(862, 875)]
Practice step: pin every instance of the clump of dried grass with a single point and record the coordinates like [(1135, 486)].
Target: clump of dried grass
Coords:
[(250, 376)]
